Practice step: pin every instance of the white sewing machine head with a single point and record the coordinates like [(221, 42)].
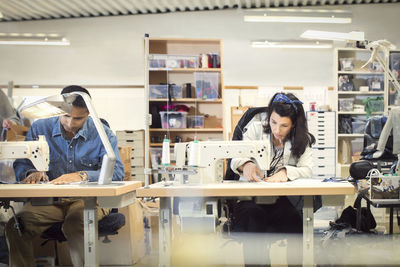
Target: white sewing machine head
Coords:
[(36, 151), (207, 156)]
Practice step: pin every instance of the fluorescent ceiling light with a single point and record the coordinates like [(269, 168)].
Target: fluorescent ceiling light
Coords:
[(335, 36), (291, 44), (1, 15), (32, 39), (292, 15)]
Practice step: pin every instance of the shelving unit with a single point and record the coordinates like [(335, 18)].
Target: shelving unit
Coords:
[(175, 63), (353, 86), (394, 65)]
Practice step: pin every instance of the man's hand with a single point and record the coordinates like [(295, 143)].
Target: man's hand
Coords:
[(8, 124), (35, 177), (250, 172), (280, 176), (67, 178)]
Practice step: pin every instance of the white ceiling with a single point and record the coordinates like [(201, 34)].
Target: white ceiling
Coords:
[(20, 10)]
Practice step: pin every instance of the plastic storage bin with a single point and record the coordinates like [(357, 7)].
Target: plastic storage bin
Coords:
[(357, 146), (346, 64), (358, 127), (157, 61), (346, 104), (176, 61), (172, 61), (376, 105), (173, 119), (207, 85), (196, 121), (161, 91)]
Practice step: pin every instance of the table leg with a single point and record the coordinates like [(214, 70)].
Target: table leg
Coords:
[(391, 221), (90, 232), (308, 231), (164, 229)]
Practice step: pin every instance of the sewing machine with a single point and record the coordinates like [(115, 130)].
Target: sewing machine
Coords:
[(36, 151), (206, 158)]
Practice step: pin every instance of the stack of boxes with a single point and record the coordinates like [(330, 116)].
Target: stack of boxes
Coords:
[(134, 142)]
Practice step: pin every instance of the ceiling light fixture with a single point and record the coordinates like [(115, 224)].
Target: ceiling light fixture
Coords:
[(291, 15), (32, 39), (291, 44), (335, 36)]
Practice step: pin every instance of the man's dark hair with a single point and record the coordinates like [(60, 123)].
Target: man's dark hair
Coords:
[(78, 102)]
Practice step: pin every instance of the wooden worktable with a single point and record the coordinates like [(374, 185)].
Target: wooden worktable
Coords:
[(300, 187), (69, 190)]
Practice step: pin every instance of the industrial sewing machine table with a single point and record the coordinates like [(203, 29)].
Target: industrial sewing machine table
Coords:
[(301, 187), (114, 195)]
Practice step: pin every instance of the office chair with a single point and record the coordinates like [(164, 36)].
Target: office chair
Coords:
[(108, 225), (371, 157)]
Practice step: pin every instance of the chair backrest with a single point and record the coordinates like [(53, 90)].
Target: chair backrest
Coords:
[(373, 129), (252, 114)]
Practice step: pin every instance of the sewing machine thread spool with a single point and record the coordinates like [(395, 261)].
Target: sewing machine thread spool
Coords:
[(194, 149), (165, 157)]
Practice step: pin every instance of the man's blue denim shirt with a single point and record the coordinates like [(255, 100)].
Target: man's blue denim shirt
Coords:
[(83, 153)]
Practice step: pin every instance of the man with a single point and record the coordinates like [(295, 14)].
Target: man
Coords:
[(8, 117), (76, 153)]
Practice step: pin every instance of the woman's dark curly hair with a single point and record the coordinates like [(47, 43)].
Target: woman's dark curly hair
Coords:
[(288, 105)]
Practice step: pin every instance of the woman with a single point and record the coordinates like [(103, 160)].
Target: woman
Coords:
[(291, 158)]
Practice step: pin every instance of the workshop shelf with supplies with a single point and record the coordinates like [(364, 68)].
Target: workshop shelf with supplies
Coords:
[(190, 72), (361, 93), (394, 65), (185, 84)]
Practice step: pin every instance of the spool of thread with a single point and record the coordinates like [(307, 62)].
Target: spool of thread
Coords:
[(193, 156), (165, 157), (204, 60), (188, 90)]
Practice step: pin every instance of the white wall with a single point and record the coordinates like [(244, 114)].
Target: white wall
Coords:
[(109, 50)]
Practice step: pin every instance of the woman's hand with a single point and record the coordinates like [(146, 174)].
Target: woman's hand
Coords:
[(280, 176), (250, 172)]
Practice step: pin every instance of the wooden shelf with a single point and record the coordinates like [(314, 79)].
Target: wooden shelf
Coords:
[(360, 93), (159, 144), (361, 72), (186, 69), (216, 130), (357, 113), (350, 135), (188, 100)]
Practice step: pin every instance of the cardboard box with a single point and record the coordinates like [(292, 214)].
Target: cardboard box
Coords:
[(126, 154), (213, 122), (17, 133)]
